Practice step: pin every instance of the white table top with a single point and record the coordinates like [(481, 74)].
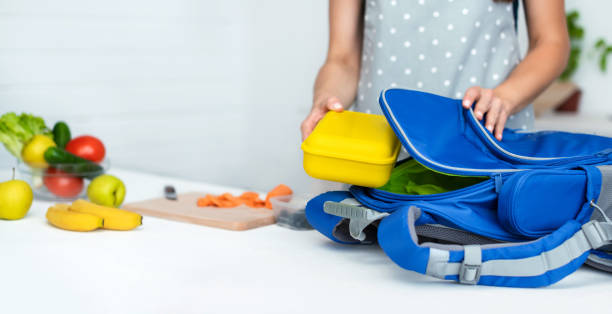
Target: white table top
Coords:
[(172, 267)]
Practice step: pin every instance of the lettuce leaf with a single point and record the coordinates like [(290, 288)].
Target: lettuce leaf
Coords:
[(33, 125), (16, 130)]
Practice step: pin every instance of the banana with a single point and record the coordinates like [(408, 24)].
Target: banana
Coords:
[(61, 217), (114, 218)]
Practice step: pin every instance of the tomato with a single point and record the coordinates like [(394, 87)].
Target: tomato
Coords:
[(62, 184), (87, 147)]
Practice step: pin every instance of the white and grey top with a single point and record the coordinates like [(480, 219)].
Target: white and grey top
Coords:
[(437, 46)]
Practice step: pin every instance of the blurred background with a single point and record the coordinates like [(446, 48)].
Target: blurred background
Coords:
[(207, 90)]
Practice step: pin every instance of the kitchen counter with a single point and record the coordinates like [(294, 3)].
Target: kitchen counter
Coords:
[(589, 123), (172, 267)]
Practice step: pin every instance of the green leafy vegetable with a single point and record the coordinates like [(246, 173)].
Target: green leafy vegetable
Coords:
[(16, 130)]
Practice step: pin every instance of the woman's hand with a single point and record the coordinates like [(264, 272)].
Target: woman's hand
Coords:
[(319, 109), (497, 108), (336, 84), (546, 58)]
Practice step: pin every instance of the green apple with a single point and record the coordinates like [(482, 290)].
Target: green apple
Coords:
[(106, 190), (15, 199)]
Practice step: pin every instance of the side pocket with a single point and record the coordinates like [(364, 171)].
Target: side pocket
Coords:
[(537, 202)]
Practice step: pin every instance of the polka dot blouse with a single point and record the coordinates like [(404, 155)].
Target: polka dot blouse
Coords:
[(437, 46)]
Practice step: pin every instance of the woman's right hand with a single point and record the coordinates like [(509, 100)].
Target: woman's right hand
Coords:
[(336, 84), (319, 109)]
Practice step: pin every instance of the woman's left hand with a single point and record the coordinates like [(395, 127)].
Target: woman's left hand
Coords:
[(496, 107)]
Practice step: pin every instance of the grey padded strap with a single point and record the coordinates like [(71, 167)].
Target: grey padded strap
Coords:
[(598, 234), (604, 201), (359, 217), (592, 235)]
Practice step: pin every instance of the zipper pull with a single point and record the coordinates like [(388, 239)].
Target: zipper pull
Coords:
[(498, 182)]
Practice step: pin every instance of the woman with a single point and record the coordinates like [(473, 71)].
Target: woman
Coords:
[(456, 48)]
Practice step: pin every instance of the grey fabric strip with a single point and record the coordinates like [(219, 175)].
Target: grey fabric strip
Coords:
[(582, 241), (437, 263), (532, 266), (605, 195), (593, 235)]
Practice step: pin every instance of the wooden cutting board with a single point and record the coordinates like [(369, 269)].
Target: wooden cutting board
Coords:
[(185, 209)]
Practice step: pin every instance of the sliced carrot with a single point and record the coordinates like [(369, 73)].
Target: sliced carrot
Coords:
[(255, 203), (250, 199), (215, 201), (279, 190), (205, 201), (226, 200), (249, 195), (229, 197)]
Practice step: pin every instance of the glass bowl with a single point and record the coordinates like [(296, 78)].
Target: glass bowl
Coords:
[(59, 183), (289, 212)]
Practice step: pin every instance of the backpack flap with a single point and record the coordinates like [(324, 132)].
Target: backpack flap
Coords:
[(442, 135)]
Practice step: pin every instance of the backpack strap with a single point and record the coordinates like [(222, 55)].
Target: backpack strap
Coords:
[(519, 264)]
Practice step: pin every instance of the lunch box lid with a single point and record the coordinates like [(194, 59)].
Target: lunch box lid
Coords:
[(354, 136)]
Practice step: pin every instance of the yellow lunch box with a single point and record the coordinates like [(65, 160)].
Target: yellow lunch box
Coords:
[(351, 147)]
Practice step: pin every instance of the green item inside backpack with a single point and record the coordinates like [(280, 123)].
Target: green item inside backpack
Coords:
[(410, 177)]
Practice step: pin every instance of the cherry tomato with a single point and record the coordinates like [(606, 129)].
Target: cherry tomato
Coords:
[(62, 184), (87, 147)]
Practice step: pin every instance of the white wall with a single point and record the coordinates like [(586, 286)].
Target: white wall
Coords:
[(209, 90), (594, 17), (595, 85)]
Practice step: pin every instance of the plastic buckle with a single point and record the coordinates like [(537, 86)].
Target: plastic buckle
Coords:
[(597, 233), (469, 274), (359, 217)]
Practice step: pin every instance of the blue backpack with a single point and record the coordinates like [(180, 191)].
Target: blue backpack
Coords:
[(544, 211)]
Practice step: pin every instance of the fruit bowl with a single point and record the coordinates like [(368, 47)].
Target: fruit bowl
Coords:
[(59, 183)]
